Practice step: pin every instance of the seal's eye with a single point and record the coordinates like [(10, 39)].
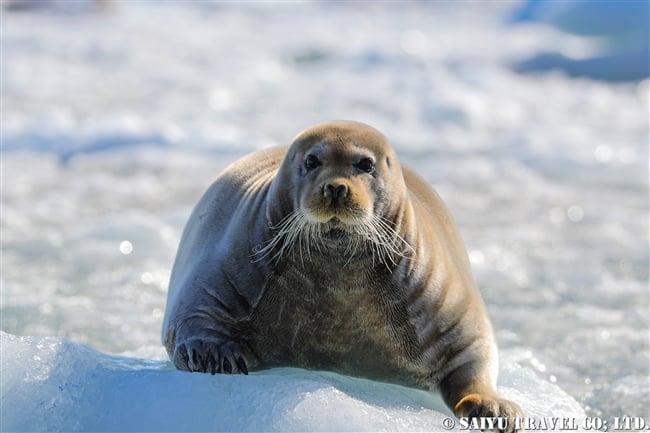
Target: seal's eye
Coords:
[(366, 165), (311, 162)]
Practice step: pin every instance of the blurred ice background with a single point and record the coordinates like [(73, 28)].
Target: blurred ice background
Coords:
[(530, 119)]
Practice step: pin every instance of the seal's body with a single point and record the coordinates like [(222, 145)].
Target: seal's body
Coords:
[(330, 255)]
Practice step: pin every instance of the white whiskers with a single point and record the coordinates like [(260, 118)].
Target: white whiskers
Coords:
[(387, 244), (296, 232)]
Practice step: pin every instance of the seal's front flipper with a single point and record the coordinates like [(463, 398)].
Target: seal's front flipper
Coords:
[(212, 356), (489, 406), (469, 391)]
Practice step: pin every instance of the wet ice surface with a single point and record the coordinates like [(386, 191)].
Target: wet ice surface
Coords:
[(115, 122), (74, 388)]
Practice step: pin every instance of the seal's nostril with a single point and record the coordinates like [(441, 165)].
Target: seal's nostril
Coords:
[(335, 191)]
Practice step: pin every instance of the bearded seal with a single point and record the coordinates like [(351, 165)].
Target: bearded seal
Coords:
[(329, 255)]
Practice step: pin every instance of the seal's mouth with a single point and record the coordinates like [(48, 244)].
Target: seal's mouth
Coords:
[(338, 218), (335, 225), (335, 228), (336, 234)]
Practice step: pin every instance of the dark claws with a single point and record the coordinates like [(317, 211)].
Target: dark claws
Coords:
[(212, 366), (183, 352), (227, 367), (210, 357), (242, 365)]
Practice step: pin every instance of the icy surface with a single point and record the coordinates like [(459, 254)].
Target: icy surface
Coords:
[(116, 118), (74, 388)]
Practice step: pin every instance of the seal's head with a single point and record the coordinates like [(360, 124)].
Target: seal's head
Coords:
[(339, 184)]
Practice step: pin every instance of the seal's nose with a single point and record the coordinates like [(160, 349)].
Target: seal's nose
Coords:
[(335, 191)]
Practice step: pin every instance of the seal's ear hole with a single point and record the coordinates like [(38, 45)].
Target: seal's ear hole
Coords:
[(388, 162), (311, 162), (366, 165)]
